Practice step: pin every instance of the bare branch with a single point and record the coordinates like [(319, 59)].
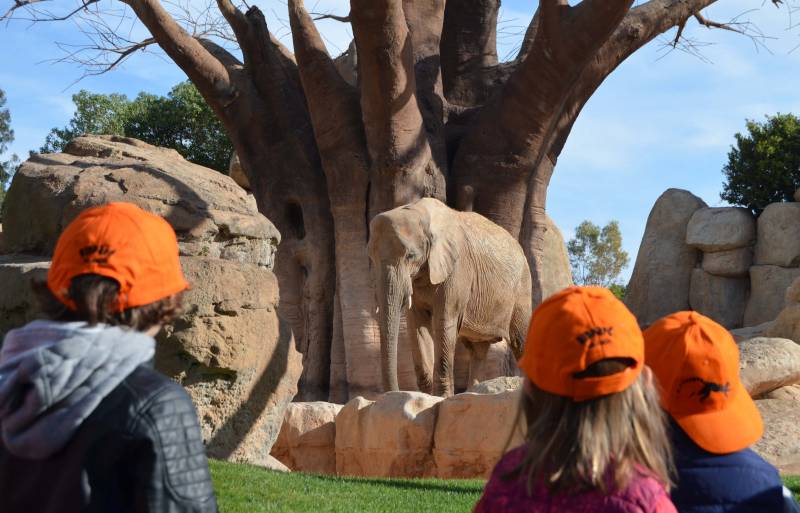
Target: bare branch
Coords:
[(679, 33), (343, 19)]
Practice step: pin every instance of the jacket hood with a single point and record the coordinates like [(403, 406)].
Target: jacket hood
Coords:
[(53, 375)]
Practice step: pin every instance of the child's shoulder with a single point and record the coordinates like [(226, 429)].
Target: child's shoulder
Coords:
[(645, 491)]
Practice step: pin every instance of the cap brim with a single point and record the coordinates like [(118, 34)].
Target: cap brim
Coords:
[(732, 429)]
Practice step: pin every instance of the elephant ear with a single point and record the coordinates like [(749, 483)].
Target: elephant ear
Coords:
[(446, 237)]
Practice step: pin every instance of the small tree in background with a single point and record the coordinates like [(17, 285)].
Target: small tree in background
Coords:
[(597, 257), (764, 165), (182, 120), (7, 167)]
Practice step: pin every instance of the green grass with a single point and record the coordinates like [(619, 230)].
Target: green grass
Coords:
[(250, 489)]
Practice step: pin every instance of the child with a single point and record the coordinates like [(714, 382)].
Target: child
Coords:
[(87, 424), (596, 439), (714, 420)]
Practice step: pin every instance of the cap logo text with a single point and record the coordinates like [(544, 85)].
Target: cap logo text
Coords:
[(590, 335), (96, 254)]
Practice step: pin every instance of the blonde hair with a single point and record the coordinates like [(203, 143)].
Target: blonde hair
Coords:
[(589, 445)]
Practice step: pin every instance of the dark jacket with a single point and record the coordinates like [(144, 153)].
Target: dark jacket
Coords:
[(137, 449), (740, 482)]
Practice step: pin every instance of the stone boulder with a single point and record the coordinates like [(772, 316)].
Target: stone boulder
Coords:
[(721, 229), (780, 444), (307, 440), (722, 299), (760, 330), (236, 172), (18, 304), (211, 214), (389, 437), (766, 364), (791, 393), (556, 273), (473, 432), (768, 284), (498, 385), (662, 274), (734, 263), (779, 235), (234, 356)]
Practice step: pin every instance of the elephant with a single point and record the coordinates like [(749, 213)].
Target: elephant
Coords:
[(463, 279)]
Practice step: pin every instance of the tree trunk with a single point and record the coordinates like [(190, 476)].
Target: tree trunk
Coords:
[(430, 112)]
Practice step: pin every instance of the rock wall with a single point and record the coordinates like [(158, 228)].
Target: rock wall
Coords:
[(230, 350), (719, 261)]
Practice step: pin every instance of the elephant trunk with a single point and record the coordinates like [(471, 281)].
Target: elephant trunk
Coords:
[(393, 294)]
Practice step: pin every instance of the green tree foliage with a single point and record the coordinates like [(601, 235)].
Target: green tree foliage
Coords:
[(764, 165), (596, 255), (7, 167), (182, 120)]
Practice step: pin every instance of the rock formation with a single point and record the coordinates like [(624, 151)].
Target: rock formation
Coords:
[(662, 274), (229, 349)]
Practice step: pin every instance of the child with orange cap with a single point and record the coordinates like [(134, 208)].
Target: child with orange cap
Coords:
[(714, 420), (596, 439), (87, 424)]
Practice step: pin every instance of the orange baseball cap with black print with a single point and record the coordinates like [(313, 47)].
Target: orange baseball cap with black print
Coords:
[(574, 329), (123, 242), (696, 362)]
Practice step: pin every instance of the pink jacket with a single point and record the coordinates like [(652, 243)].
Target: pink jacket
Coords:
[(643, 495)]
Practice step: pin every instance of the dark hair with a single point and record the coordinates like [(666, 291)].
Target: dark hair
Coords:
[(95, 298), (597, 444)]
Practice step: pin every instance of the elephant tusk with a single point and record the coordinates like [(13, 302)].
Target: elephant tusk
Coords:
[(409, 302), (377, 310)]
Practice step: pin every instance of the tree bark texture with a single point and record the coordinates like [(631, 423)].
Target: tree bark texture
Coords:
[(420, 106)]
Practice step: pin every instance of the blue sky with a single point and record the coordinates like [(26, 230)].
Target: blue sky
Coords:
[(663, 119)]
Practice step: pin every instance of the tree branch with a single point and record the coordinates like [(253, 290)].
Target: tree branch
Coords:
[(395, 134), (207, 73), (335, 112), (469, 50)]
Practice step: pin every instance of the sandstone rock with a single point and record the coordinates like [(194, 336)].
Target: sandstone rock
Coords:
[(780, 444), (779, 235), (734, 263), (721, 229), (498, 385), (236, 172), (212, 215), (791, 393), (389, 437), (307, 440), (556, 273), (18, 303), (234, 356), (662, 274), (473, 431), (766, 364), (273, 464), (787, 325), (722, 299), (768, 284), (759, 330)]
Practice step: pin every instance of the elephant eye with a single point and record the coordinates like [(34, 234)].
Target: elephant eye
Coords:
[(411, 256)]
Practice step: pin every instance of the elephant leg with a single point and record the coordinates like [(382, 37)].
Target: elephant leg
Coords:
[(419, 324), (477, 362), (518, 330), (445, 331)]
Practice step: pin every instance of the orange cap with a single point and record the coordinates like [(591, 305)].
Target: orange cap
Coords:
[(123, 242), (696, 363), (574, 329)]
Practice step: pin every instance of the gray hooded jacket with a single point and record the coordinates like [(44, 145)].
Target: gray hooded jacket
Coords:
[(53, 376), (88, 426)]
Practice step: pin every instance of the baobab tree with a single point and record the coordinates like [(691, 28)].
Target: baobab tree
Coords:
[(427, 110)]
